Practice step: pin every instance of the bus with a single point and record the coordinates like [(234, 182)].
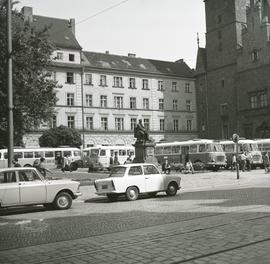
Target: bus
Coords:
[(244, 145), (264, 145), (27, 156), (99, 156), (206, 152)]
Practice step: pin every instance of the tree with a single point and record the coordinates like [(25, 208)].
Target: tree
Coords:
[(60, 136), (33, 91)]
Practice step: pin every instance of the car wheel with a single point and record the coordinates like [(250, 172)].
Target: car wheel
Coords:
[(152, 194), (63, 201), (172, 189), (132, 193), (112, 197)]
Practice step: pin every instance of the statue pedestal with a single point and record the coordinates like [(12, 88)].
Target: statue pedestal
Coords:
[(144, 152)]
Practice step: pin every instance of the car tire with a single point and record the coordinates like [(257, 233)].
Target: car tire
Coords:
[(63, 201), (132, 193), (112, 197), (172, 189), (152, 194)]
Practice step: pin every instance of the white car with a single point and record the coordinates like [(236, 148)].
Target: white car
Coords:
[(132, 179), (26, 186)]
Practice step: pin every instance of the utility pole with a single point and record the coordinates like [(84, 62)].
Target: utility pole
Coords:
[(9, 83)]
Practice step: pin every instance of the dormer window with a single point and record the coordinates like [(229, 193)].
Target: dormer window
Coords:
[(71, 57)]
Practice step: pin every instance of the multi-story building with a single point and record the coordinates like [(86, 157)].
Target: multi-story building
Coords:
[(104, 95), (232, 82)]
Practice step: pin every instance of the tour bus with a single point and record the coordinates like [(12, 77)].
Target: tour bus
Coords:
[(27, 156), (244, 145), (99, 156), (264, 145), (206, 152)]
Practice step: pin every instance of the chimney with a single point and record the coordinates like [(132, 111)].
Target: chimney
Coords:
[(71, 24), (132, 55), (27, 13), (107, 52)]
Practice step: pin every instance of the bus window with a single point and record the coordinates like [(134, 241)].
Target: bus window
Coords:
[(86, 153), (5, 155), (102, 152), (193, 149), (130, 152), (167, 150), (28, 155), (49, 154), (122, 152), (94, 152), (175, 149), (38, 154), (67, 153), (76, 153), (229, 148), (18, 155), (158, 150), (201, 148)]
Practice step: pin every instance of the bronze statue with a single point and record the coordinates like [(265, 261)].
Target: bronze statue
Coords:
[(141, 133)]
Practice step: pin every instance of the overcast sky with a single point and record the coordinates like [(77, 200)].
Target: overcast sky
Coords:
[(155, 29)]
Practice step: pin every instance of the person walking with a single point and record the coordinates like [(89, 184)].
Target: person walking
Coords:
[(16, 163), (233, 162), (243, 161), (266, 162), (248, 160), (41, 167)]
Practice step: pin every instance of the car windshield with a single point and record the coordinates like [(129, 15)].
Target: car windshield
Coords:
[(118, 172)]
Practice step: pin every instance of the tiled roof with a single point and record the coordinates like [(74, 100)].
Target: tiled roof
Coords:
[(59, 32), (135, 64)]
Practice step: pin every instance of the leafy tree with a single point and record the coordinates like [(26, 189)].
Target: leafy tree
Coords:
[(60, 136), (33, 92)]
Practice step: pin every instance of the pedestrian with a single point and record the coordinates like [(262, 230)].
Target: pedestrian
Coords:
[(166, 167), (243, 161), (115, 159), (266, 162), (189, 167), (41, 167), (129, 159), (233, 162), (248, 160), (15, 162), (111, 160)]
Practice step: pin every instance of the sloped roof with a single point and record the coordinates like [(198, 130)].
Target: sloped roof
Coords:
[(59, 31), (201, 62), (135, 64)]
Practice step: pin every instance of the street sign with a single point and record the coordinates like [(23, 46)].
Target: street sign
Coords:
[(235, 138)]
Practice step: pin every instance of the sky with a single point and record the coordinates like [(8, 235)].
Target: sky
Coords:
[(153, 29)]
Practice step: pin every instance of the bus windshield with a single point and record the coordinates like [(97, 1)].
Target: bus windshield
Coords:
[(94, 152), (213, 147)]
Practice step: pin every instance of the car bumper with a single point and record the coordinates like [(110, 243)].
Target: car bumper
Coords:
[(77, 194)]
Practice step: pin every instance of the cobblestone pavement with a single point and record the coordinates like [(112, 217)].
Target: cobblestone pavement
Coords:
[(213, 220)]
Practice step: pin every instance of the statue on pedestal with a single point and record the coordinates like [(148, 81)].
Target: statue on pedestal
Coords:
[(141, 133)]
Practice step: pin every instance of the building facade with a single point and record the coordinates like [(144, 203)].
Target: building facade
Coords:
[(231, 72), (104, 95)]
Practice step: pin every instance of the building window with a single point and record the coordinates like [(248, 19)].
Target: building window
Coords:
[(160, 86), (222, 83), (70, 99), (188, 105), (88, 99), (104, 123), (175, 125), (189, 125), (145, 84), (161, 124), (146, 123), (71, 121), (71, 57), (161, 104), (175, 104), (70, 77), (258, 100), (132, 83), (103, 101), (146, 103), (174, 86), (118, 101), (255, 55), (59, 56), (88, 78), (103, 80), (133, 123), (119, 123), (54, 122), (187, 88), (89, 122), (117, 82), (224, 109), (263, 99), (132, 102), (253, 101)]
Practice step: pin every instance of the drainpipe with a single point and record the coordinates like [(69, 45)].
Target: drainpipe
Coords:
[(82, 103)]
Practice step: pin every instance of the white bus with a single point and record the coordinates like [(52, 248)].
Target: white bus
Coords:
[(206, 152), (99, 156), (244, 145), (264, 145), (27, 156)]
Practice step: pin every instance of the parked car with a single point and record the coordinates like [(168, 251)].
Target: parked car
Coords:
[(26, 186), (133, 179)]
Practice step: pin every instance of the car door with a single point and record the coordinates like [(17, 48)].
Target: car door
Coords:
[(9, 189), (135, 177), (154, 180), (32, 187)]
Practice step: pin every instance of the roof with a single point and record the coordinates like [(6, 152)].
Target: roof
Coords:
[(126, 63), (201, 62), (59, 31)]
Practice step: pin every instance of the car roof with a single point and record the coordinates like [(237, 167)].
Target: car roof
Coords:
[(134, 164), (17, 168)]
